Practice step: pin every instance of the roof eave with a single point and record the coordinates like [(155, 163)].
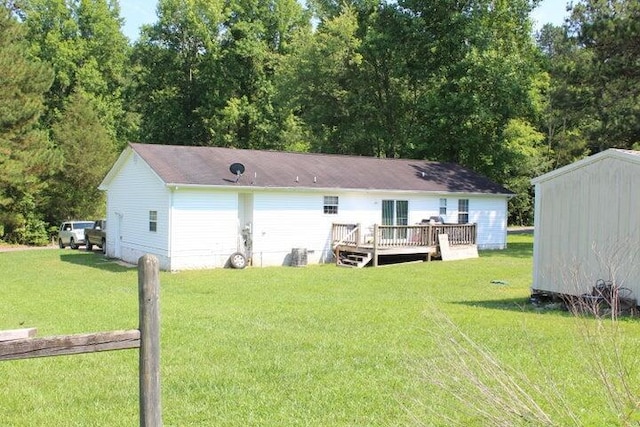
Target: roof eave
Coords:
[(178, 185)]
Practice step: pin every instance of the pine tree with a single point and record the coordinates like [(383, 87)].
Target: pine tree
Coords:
[(26, 157)]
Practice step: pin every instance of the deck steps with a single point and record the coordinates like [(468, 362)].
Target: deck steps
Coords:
[(354, 259)]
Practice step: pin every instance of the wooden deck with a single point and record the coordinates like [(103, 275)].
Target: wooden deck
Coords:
[(356, 247)]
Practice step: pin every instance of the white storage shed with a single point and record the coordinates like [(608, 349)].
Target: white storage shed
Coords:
[(587, 224)]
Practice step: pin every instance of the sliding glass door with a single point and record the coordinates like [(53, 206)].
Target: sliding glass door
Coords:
[(395, 212)]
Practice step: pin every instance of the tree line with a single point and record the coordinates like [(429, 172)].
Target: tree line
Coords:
[(449, 80)]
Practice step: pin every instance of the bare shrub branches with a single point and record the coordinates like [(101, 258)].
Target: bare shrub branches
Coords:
[(482, 388)]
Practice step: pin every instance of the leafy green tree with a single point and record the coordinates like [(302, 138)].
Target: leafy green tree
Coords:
[(207, 72), (347, 81), (26, 157), (177, 67), (565, 119), (594, 92), (258, 35), (480, 73), (522, 157), (88, 151), (324, 10), (475, 88), (84, 44), (382, 90), (317, 81), (610, 31)]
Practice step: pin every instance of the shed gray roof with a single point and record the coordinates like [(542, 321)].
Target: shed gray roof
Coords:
[(209, 166), (616, 153)]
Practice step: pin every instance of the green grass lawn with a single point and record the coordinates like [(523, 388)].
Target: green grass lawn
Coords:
[(317, 346)]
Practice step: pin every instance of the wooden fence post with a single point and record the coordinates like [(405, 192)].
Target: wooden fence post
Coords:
[(149, 303)]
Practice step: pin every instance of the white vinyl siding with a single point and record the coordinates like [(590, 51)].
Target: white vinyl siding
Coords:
[(283, 221), (205, 228), (133, 193), (490, 216), (586, 218)]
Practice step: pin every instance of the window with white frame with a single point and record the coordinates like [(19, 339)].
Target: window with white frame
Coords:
[(463, 211), (443, 207), (330, 205), (153, 221)]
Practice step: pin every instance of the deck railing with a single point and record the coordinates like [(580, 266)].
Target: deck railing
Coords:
[(387, 236), (346, 234)]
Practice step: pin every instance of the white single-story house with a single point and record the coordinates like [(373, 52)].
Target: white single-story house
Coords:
[(193, 207), (587, 224)]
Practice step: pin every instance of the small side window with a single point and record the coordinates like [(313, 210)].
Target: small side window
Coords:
[(153, 221), (330, 205), (443, 207), (463, 211)]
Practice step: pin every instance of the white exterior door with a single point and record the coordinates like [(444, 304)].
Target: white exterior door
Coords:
[(117, 236)]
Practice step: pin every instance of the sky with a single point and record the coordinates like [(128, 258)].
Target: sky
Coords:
[(139, 12), (550, 12)]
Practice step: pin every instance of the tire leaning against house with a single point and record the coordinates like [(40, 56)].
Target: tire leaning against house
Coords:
[(238, 260)]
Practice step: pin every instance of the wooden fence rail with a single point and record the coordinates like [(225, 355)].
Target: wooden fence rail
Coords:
[(61, 345), (21, 343)]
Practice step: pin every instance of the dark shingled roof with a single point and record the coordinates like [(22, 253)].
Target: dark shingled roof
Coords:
[(209, 166)]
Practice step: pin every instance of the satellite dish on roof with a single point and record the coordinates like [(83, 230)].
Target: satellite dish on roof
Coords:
[(237, 169)]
